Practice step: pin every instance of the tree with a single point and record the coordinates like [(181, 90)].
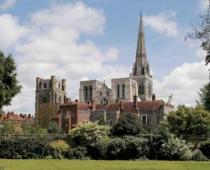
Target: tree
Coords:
[(126, 125), (9, 85), (205, 96), (191, 124), (203, 33)]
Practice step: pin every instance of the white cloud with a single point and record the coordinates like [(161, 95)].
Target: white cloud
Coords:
[(204, 4), (183, 82), (6, 4), (53, 46), (10, 30), (162, 23)]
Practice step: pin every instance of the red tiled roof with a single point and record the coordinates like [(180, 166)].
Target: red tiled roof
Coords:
[(128, 106)]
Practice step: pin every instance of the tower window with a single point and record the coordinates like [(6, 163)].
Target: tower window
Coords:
[(40, 85), (45, 85), (142, 71), (141, 89), (118, 90), (123, 90), (86, 92), (90, 90)]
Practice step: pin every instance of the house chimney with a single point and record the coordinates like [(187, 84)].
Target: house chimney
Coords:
[(153, 97), (135, 101)]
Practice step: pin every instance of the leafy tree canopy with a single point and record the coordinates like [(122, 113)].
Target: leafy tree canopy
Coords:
[(9, 85), (205, 96), (191, 124)]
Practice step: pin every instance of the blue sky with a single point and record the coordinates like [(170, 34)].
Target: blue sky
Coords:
[(106, 33)]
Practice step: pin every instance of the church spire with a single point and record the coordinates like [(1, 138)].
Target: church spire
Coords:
[(141, 49)]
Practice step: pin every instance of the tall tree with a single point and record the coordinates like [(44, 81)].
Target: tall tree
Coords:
[(205, 96), (9, 85), (203, 33), (191, 124)]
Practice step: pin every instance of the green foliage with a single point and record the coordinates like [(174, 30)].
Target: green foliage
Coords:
[(59, 148), (53, 128), (98, 150), (9, 85), (126, 125), (198, 156), (191, 124), (205, 148), (87, 134), (205, 96), (77, 153), (24, 148), (7, 129), (175, 149), (116, 149)]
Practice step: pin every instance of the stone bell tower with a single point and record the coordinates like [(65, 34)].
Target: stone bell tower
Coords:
[(50, 94)]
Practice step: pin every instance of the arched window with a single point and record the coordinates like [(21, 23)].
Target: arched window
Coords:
[(142, 71), (118, 91), (123, 90), (90, 91), (85, 92), (141, 89)]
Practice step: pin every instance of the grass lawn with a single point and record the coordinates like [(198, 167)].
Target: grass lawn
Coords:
[(100, 165)]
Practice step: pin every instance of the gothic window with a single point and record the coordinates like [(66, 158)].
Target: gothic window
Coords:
[(123, 90), (63, 88), (135, 71), (90, 90), (86, 92), (101, 93), (45, 85), (141, 89), (55, 97), (118, 91), (40, 85), (144, 120), (142, 71)]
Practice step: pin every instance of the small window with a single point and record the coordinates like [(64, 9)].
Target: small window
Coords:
[(144, 120), (40, 85), (118, 91), (45, 85), (101, 93)]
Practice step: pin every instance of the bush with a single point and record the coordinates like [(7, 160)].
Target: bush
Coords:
[(77, 153), (87, 134), (126, 125), (136, 147), (116, 149), (198, 156), (59, 147), (99, 149), (205, 148), (24, 148), (175, 149)]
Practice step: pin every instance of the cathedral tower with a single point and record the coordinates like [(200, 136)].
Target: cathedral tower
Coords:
[(141, 69), (50, 94)]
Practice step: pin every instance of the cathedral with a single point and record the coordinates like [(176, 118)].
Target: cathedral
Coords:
[(100, 103), (139, 83)]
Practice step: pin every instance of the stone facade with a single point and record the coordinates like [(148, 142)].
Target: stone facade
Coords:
[(123, 89), (50, 94), (94, 90)]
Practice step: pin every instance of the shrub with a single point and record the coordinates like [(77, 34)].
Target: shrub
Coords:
[(59, 147), (24, 148), (136, 147), (99, 149), (116, 149), (205, 148), (126, 125), (198, 156), (77, 153), (87, 134), (175, 149)]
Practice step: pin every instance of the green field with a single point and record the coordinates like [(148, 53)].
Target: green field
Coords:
[(100, 165)]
